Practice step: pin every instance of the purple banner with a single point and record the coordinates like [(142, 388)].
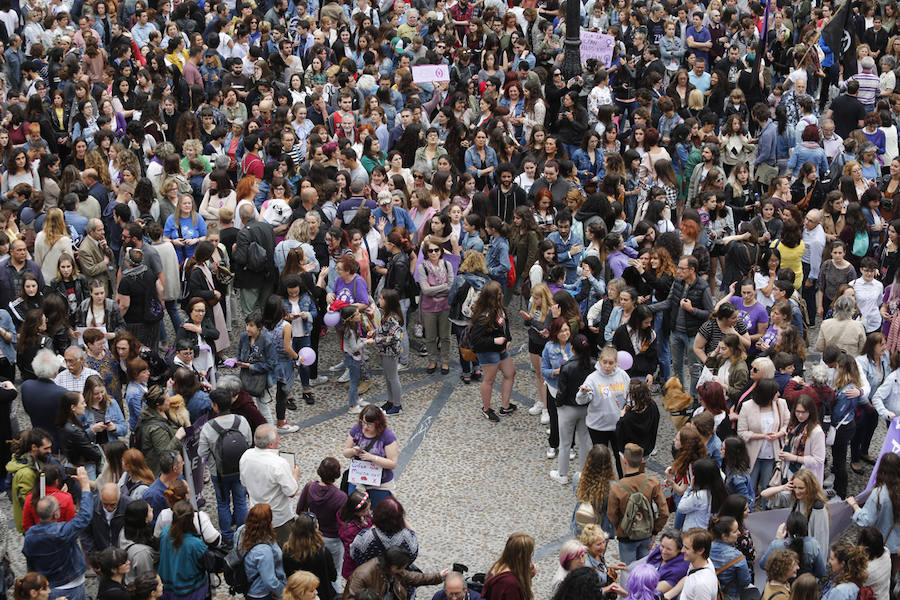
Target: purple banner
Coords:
[(193, 463), (891, 444)]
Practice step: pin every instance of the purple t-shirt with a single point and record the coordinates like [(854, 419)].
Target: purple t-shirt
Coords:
[(672, 571), (385, 439), (355, 292), (752, 316)]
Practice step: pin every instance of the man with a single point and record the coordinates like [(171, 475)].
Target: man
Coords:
[(396, 216), (847, 111), (689, 305), (876, 37), (226, 484), (107, 521), (41, 396), (698, 37), (349, 207), (668, 560), (814, 241), (868, 84), (14, 60), (95, 255), (766, 153), (73, 378), (140, 33), (405, 119), (96, 190), (701, 582), (270, 479), (832, 143), (698, 77), (252, 164), (171, 467), (634, 481), (455, 588), (73, 220), (51, 548), (241, 402), (12, 271), (191, 66), (133, 237), (387, 575), (254, 261), (731, 66), (568, 245), (34, 453), (350, 162), (552, 181), (506, 197)]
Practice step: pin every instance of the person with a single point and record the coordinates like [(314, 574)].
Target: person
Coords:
[(262, 558), (605, 392), (231, 501), (74, 442), (556, 352), (114, 565), (103, 417), (878, 511), (51, 547), (571, 416), (52, 484), (40, 395), (731, 564), (305, 551), (805, 444), (491, 338), (137, 540), (270, 479), (455, 587), (633, 542), (668, 560), (510, 576), (842, 329), (171, 467), (850, 389), (387, 575), (874, 365), (848, 564), (253, 280), (372, 441), (782, 568), (325, 500), (354, 517), (704, 494), (572, 555), (762, 424), (879, 567), (159, 433), (701, 582), (75, 375), (138, 296), (435, 275), (593, 488), (107, 520), (180, 552), (388, 338)]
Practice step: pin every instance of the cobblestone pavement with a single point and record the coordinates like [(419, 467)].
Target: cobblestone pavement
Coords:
[(466, 483)]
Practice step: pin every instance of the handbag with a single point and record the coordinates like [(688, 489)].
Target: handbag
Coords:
[(253, 383), (224, 276)]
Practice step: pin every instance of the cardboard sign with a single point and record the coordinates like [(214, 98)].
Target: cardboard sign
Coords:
[(363, 472), (430, 73), (596, 45)]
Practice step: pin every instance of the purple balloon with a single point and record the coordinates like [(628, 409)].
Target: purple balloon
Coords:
[(307, 356), (625, 360), (332, 318)]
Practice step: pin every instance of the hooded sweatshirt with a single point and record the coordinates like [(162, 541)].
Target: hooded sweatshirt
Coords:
[(324, 501), (606, 395)]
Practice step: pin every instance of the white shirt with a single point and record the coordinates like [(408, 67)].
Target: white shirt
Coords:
[(269, 480), (815, 244), (762, 281), (702, 584), (868, 298)]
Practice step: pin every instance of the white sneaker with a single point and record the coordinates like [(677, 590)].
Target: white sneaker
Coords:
[(545, 417), (419, 331), (318, 380), (355, 410), (345, 377), (548, 431), (551, 453), (571, 453), (535, 409), (402, 367), (362, 403), (555, 476), (288, 428), (338, 367)]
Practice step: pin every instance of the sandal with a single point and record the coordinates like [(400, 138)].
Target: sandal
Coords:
[(431, 369)]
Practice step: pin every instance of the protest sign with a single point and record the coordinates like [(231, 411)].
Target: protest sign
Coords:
[(596, 45), (430, 73)]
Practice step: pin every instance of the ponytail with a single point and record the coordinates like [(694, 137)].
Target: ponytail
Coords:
[(495, 223)]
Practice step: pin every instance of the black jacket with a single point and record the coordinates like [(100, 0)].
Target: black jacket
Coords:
[(263, 234), (398, 276), (644, 362), (701, 300), (482, 335), (77, 446), (571, 376), (100, 533), (504, 204)]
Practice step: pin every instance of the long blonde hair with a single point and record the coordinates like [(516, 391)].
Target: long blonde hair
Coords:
[(54, 227), (516, 559), (94, 160), (813, 490), (542, 293)]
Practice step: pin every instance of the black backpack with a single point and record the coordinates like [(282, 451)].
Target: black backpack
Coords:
[(234, 572), (256, 257), (229, 448)]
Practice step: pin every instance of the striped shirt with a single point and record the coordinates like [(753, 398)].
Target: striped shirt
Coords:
[(869, 86)]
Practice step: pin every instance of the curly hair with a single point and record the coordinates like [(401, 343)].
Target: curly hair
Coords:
[(855, 562), (593, 486), (579, 583), (257, 527), (779, 566), (692, 448)]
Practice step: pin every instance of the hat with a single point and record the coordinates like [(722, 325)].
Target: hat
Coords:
[(319, 78), (210, 52)]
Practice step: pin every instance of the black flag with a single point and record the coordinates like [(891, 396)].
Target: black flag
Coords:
[(840, 35)]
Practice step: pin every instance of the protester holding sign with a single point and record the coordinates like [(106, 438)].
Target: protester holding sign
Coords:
[(373, 450)]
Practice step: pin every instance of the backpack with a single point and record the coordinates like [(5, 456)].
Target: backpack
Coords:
[(235, 573), (865, 593), (860, 244), (229, 448), (256, 257), (637, 520), (471, 297)]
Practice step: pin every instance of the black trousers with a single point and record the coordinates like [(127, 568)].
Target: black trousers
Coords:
[(609, 438), (839, 457)]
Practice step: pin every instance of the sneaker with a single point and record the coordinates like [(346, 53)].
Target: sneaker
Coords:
[(419, 331), (402, 367), (422, 351), (287, 428), (535, 409), (490, 415), (548, 431), (551, 453), (545, 417), (387, 406), (394, 410), (318, 381), (364, 387), (345, 377), (355, 410), (362, 403), (338, 367), (290, 404), (571, 453), (308, 398), (555, 476), (509, 410)]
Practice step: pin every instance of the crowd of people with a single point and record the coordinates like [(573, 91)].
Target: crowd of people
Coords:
[(197, 195)]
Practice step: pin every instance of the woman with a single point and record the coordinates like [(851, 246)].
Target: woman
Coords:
[(724, 321), (556, 352), (435, 276), (390, 528), (185, 228), (490, 339), (879, 511), (524, 239), (543, 211), (325, 500), (180, 554), (355, 516), (99, 312), (732, 372), (782, 568), (74, 442), (605, 390), (262, 557), (481, 161), (186, 382), (731, 566), (114, 565), (510, 576), (592, 489), (348, 285), (842, 330), (762, 424), (137, 476), (18, 171), (848, 564), (793, 535), (305, 551), (874, 365), (51, 243), (833, 274), (302, 585), (879, 567), (637, 338), (69, 283), (640, 420), (200, 331), (572, 555), (470, 279), (160, 433), (371, 440), (137, 539), (805, 445), (704, 494), (102, 417), (219, 195)]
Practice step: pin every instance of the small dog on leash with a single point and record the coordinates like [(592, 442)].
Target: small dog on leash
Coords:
[(677, 402)]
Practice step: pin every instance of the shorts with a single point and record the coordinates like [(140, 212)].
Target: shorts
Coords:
[(491, 358)]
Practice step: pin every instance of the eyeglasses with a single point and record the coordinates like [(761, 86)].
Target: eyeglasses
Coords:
[(434, 250), (754, 370), (418, 176)]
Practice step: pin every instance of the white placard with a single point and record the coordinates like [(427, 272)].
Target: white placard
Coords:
[(430, 73)]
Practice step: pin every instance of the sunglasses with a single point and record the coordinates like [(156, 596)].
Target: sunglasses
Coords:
[(434, 250), (418, 177)]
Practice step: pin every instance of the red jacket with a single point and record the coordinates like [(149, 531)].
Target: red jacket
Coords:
[(66, 508)]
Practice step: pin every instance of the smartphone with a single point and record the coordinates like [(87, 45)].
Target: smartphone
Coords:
[(71, 471), (288, 456)]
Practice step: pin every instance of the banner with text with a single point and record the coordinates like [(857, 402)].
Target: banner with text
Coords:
[(596, 45)]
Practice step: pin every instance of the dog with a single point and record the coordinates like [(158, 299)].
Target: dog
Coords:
[(677, 402), (178, 412)]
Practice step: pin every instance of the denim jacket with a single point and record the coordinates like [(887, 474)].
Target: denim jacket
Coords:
[(306, 305), (470, 241), (734, 578), (554, 357), (497, 257), (264, 567), (879, 511), (844, 406), (8, 348), (51, 548), (267, 351), (869, 371)]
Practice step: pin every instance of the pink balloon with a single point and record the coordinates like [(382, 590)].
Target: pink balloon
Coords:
[(332, 318), (625, 360), (307, 356)]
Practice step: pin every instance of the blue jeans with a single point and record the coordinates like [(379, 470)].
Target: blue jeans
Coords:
[(75, 593), (761, 474), (375, 496), (632, 551), (682, 347), (355, 367), (662, 349), (296, 344), (335, 547), (174, 316), (229, 490)]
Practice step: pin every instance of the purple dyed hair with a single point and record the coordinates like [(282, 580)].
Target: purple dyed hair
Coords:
[(642, 582)]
